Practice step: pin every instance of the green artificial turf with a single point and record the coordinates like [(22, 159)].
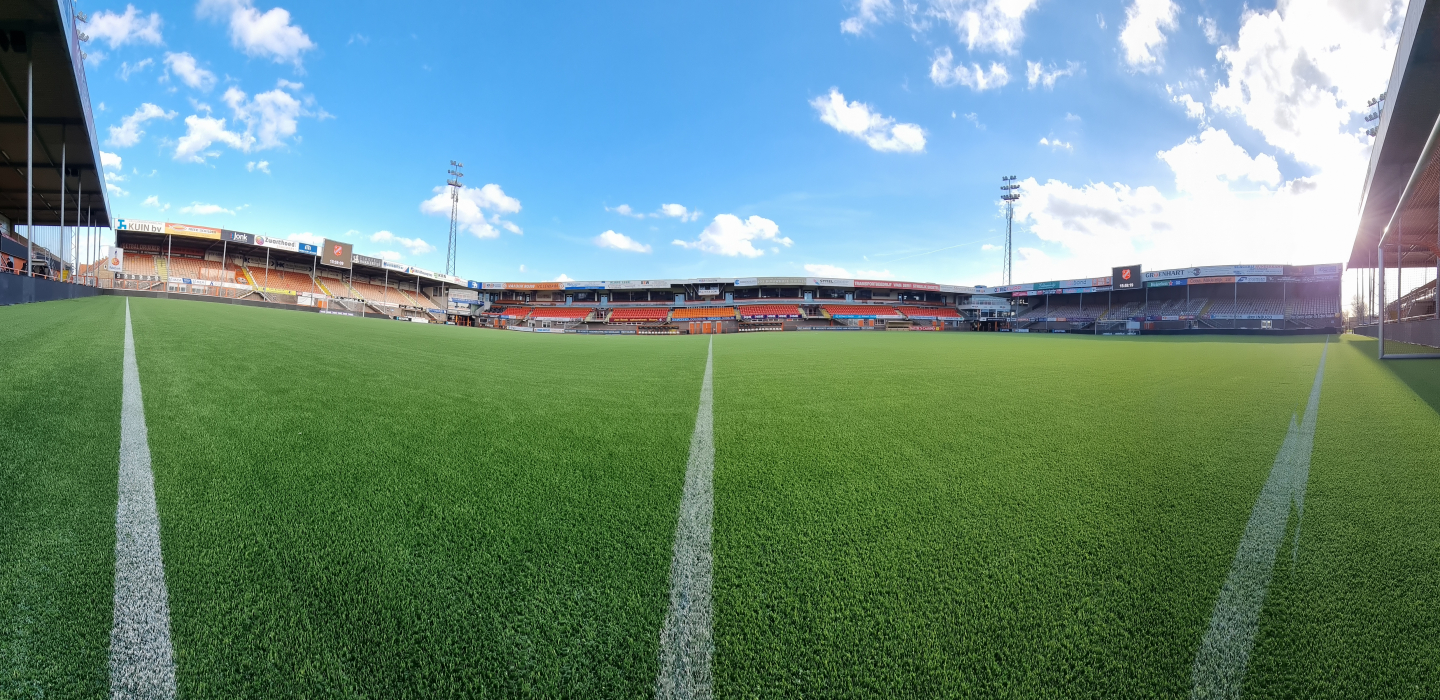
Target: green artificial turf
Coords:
[(376, 509), (59, 455), (370, 508)]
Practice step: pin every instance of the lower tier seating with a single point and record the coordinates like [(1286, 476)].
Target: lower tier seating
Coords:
[(640, 315)]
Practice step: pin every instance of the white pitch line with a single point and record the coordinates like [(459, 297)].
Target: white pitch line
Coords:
[(142, 664), (686, 643), (1224, 652)]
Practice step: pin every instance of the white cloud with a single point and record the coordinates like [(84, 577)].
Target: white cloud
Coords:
[(1146, 22), (986, 25), (306, 237), (110, 160), (390, 255), (620, 241), (416, 246), (563, 278), (867, 13), (859, 120), (1210, 28), (874, 275), (522, 268), (677, 211), (128, 132), (990, 246), (728, 235), (1037, 74), (1056, 144), (263, 166), (822, 270), (127, 70), (130, 27), (1193, 108), (474, 203), (154, 202), (270, 119), (1212, 161), (184, 67), (945, 73), (625, 210), (266, 35), (116, 190), (202, 209)]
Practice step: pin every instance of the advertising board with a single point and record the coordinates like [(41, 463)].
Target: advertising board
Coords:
[(366, 260), (116, 261), (636, 284), (236, 237), (392, 266), (885, 284), (708, 291), (534, 285), (1127, 277), (190, 231), (277, 243), (337, 254), (140, 225)]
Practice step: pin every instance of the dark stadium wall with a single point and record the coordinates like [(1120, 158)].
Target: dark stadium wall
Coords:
[(22, 289)]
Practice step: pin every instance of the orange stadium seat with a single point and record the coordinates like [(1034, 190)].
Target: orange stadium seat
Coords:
[(725, 312), (561, 313), (640, 315), (770, 310), (923, 312), (858, 311)]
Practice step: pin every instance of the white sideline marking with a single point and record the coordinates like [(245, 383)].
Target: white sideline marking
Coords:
[(142, 664), (686, 644), (1224, 652)]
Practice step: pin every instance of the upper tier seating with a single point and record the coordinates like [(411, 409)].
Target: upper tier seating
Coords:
[(928, 312), (725, 312), (1313, 308), (1123, 312), (560, 313), (865, 311), (1268, 307), (771, 310), (639, 315)]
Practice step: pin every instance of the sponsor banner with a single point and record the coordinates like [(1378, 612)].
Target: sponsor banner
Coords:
[(366, 260), (309, 249), (1127, 277), (392, 266), (1243, 280), (829, 328), (1044, 292), (277, 243), (236, 237), (639, 284), (882, 284), (337, 313), (466, 294), (1212, 280), (1166, 283), (958, 289), (1249, 317), (116, 261), (140, 225), (492, 285), (780, 281), (584, 285), (473, 284), (828, 282), (709, 291), (337, 254), (174, 229), (1177, 273), (420, 272), (534, 285), (1047, 285)]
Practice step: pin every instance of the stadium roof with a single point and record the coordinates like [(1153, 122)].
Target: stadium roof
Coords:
[(43, 33), (1406, 138)]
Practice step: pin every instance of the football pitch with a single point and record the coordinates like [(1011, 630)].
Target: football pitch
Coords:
[(351, 507)]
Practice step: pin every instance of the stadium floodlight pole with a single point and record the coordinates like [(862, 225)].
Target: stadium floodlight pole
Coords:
[(1009, 197), (79, 196), (456, 172), (61, 247)]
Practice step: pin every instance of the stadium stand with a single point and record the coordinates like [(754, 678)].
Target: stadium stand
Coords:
[(924, 312), (861, 311), (1121, 313), (1312, 308), (140, 264), (377, 293), (639, 315), (204, 270), (560, 313), (712, 312), (514, 313), (286, 280), (1267, 307), (335, 287), (770, 311)]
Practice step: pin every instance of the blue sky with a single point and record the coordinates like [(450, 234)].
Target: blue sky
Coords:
[(661, 139)]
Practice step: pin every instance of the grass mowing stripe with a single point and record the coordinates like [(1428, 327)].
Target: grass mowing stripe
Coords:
[(686, 642), (142, 664), (1225, 649)]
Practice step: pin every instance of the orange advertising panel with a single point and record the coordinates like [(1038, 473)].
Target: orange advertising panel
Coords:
[(535, 285), (192, 231)]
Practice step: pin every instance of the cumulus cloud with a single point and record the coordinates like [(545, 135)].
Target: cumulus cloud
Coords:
[(110, 160), (154, 202), (728, 235), (625, 210), (129, 27), (1193, 108), (677, 211), (1056, 144), (306, 237), (985, 25), (269, 120), (822, 270), (562, 278), (416, 246), (1146, 22), (945, 73), (185, 67), (867, 14), (129, 131), (203, 209), (861, 121), (261, 34), (263, 166), (128, 69), (1037, 74), (479, 210), (1212, 161), (620, 241), (391, 255)]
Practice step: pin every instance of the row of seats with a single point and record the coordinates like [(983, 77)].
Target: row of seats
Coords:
[(875, 311), (1272, 307), (928, 312), (560, 313), (770, 310), (639, 315), (725, 312), (287, 280)]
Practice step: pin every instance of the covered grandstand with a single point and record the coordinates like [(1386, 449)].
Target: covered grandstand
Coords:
[(1396, 254)]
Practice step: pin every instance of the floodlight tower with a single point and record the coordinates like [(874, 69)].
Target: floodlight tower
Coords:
[(453, 182), (1010, 197)]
